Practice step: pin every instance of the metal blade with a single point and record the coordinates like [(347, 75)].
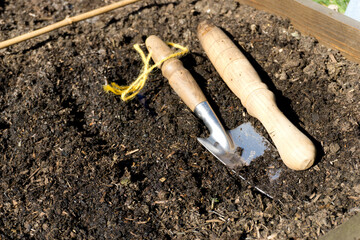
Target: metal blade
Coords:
[(238, 148), (252, 144), (248, 146), (231, 160)]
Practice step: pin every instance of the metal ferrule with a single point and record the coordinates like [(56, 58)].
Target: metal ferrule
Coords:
[(218, 135)]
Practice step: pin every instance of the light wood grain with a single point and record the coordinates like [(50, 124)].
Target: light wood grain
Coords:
[(295, 149), (330, 28), (179, 78)]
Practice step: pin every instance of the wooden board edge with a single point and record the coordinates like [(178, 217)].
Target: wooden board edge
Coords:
[(349, 230), (330, 28)]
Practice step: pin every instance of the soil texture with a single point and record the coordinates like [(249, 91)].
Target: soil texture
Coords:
[(79, 163)]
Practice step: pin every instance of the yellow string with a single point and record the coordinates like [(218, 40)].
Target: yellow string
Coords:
[(130, 91)]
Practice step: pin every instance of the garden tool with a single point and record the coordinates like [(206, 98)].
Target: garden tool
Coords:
[(296, 150), (234, 148)]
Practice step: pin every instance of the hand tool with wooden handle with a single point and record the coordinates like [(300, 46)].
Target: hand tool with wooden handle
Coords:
[(296, 150), (181, 80), (223, 144)]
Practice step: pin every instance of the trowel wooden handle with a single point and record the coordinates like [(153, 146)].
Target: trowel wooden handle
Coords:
[(296, 150), (179, 78)]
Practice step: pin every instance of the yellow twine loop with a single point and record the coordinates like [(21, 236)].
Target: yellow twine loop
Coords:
[(128, 92)]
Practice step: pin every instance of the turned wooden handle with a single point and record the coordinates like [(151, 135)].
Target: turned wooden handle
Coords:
[(180, 79), (296, 150)]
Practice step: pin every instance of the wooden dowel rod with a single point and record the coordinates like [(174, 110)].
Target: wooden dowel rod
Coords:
[(65, 22)]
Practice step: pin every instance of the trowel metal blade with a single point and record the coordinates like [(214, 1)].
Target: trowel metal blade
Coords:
[(248, 146), (251, 143), (230, 159)]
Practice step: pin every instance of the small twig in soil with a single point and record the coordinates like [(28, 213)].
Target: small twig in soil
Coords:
[(33, 174), (132, 152), (143, 222), (220, 215), (214, 221)]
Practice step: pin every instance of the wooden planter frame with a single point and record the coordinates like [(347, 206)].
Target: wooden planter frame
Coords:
[(329, 27)]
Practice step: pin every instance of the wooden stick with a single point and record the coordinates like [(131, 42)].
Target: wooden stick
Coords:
[(65, 22)]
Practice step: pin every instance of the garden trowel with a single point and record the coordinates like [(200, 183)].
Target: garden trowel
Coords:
[(235, 148), (296, 150)]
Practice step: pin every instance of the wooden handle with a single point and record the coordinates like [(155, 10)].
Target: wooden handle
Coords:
[(296, 150), (180, 79)]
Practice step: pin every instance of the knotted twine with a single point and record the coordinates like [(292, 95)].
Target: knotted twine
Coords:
[(130, 91)]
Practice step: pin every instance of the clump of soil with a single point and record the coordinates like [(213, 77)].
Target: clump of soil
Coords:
[(79, 163)]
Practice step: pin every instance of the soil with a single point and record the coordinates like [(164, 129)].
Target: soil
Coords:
[(79, 163)]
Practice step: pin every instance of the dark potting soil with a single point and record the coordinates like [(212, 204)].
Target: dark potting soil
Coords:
[(79, 163)]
